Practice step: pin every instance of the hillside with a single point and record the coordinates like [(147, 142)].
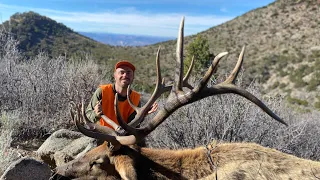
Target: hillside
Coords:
[(282, 48)]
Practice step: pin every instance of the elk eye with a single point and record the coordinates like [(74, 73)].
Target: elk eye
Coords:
[(92, 163), (98, 161)]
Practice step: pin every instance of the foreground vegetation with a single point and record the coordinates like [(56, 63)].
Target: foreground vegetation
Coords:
[(36, 93)]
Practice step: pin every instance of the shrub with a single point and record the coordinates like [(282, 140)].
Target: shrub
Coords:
[(230, 118), (42, 88), (297, 101), (7, 155)]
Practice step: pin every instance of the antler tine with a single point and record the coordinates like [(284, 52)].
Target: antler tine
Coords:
[(86, 119), (189, 70), (126, 127), (109, 121), (179, 58), (155, 92), (72, 114), (209, 72), (186, 77), (79, 118), (159, 89), (233, 76), (71, 111), (129, 100)]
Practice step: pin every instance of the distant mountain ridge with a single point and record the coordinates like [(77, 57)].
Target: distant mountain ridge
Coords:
[(125, 40)]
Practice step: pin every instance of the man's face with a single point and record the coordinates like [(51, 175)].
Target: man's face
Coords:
[(123, 76)]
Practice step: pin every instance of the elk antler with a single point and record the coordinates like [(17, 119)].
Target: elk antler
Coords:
[(179, 98), (176, 99)]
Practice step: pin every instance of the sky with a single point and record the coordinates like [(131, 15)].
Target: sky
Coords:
[(134, 17)]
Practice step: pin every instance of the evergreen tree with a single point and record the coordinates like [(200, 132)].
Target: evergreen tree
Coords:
[(199, 49)]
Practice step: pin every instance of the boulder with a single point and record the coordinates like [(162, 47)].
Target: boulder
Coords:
[(63, 146), (27, 168)]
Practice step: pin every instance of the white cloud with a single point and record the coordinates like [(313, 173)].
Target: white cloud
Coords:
[(146, 24), (126, 21)]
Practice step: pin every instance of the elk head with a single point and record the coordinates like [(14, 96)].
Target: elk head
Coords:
[(181, 94)]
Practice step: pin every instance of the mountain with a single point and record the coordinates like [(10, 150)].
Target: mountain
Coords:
[(124, 40), (282, 43), (37, 33)]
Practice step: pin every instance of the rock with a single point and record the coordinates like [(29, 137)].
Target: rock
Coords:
[(63, 146), (27, 168)]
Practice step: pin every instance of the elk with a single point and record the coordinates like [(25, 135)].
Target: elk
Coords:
[(119, 157)]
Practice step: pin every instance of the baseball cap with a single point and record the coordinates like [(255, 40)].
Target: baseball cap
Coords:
[(124, 63)]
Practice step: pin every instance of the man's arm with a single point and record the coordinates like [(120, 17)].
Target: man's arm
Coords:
[(96, 97)]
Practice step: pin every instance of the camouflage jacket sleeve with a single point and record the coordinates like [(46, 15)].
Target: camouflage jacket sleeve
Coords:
[(96, 97)]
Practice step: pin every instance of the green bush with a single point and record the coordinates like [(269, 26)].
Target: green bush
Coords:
[(199, 49), (313, 84), (275, 85), (297, 101), (297, 75), (317, 104), (282, 85)]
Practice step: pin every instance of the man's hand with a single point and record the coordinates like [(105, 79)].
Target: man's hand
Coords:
[(98, 109), (153, 108)]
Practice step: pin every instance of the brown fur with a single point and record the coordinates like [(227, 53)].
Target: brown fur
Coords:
[(231, 161)]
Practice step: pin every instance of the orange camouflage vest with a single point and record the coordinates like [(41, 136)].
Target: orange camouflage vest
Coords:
[(124, 106)]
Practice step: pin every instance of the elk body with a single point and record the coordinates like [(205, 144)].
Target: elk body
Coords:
[(120, 158), (231, 161)]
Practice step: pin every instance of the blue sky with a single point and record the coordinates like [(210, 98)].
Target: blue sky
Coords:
[(136, 17)]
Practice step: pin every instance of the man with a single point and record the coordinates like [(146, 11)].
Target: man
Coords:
[(102, 100)]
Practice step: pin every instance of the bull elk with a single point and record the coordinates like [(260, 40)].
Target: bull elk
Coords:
[(214, 161)]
